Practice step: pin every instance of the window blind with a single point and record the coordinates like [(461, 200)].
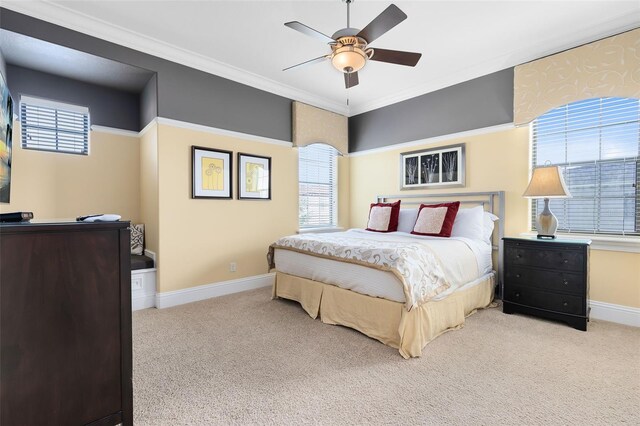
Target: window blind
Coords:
[(597, 143), (318, 180), (54, 126)]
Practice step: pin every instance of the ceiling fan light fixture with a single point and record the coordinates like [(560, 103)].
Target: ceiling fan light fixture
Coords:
[(348, 59)]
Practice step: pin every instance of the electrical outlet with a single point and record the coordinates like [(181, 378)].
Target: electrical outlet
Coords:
[(233, 267)]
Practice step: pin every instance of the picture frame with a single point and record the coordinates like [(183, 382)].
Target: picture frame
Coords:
[(6, 133), (211, 173), (441, 167), (254, 177)]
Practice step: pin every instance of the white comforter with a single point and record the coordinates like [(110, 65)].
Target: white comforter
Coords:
[(424, 266)]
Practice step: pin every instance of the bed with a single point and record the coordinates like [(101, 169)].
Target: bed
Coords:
[(401, 289)]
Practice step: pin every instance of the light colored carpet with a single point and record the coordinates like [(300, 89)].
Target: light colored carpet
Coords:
[(246, 359)]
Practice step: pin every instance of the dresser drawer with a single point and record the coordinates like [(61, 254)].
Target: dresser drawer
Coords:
[(560, 259), (557, 302), (544, 279)]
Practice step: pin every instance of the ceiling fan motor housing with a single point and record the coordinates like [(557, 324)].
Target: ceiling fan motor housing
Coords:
[(350, 53)]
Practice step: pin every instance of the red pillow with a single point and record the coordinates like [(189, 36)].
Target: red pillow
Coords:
[(383, 217), (436, 220)]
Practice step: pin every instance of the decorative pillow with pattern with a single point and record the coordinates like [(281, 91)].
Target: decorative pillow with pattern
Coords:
[(383, 217), (137, 239), (436, 220)]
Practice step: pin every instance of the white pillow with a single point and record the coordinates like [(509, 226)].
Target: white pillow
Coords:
[(489, 218), (469, 223), (407, 219)]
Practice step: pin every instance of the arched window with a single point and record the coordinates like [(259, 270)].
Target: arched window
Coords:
[(597, 143), (318, 186)]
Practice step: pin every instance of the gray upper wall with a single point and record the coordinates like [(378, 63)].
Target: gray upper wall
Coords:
[(107, 107), (183, 93), (149, 102), (482, 102)]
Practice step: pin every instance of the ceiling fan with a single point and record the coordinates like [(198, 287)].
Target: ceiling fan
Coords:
[(350, 49)]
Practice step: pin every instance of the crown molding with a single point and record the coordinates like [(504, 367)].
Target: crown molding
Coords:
[(61, 15), (114, 131), (498, 63)]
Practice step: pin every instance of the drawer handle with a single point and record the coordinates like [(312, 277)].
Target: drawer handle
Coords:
[(565, 282), (517, 294), (517, 275), (566, 261), (565, 304), (518, 256)]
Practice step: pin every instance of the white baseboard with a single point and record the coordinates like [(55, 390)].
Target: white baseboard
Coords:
[(143, 289), (194, 294), (144, 301), (615, 313)]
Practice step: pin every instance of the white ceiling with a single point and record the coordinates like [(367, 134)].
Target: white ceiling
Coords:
[(247, 41)]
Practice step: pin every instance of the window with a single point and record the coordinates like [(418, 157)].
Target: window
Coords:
[(596, 142), (318, 181), (54, 126)]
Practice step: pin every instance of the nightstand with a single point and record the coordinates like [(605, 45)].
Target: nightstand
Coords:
[(548, 279)]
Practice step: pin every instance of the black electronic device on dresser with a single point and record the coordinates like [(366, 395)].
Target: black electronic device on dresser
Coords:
[(547, 278), (65, 324)]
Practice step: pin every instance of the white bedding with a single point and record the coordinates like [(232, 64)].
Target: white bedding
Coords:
[(463, 262)]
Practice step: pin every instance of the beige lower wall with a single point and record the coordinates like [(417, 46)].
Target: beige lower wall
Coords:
[(494, 161), (198, 238), (149, 187), (64, 186)]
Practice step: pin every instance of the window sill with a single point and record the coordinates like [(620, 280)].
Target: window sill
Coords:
[(602, 242), (323, 229)]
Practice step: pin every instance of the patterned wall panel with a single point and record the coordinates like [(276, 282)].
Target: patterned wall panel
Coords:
[(312, 125), (608, 67)]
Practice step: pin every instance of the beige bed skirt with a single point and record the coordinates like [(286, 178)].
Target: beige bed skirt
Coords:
[(382, 319)]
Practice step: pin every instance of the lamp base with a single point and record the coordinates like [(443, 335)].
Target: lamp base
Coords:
[(546, 223), (546, 237)]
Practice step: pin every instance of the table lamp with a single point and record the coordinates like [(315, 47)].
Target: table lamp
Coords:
[(547, 182)]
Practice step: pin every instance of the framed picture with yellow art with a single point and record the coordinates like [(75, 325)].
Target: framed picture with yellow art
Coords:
[(212, 171), (254, 177)]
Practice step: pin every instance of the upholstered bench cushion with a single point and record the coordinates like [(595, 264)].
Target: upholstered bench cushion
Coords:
[(141, 262)]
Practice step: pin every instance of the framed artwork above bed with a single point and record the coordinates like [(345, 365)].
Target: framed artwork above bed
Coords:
[(442, 167)]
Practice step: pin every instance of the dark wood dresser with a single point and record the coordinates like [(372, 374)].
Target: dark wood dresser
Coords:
[(547, 278), (65, 324)]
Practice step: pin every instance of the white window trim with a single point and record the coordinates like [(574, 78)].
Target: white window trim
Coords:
[(601, 242)]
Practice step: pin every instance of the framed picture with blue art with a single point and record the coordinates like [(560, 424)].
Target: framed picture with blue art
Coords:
[(254, 177), (211, 170), (442, 167)]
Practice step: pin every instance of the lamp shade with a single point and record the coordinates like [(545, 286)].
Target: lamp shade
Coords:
[(547, 182), (349, 59)]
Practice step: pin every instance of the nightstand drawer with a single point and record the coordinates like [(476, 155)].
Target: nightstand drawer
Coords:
[(543, 279), (565, 260), (557, 302)]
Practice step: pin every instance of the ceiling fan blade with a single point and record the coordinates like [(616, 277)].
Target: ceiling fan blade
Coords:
[(351, 79), (398, 57), (309, 62), (388, 19), (295, 25)]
